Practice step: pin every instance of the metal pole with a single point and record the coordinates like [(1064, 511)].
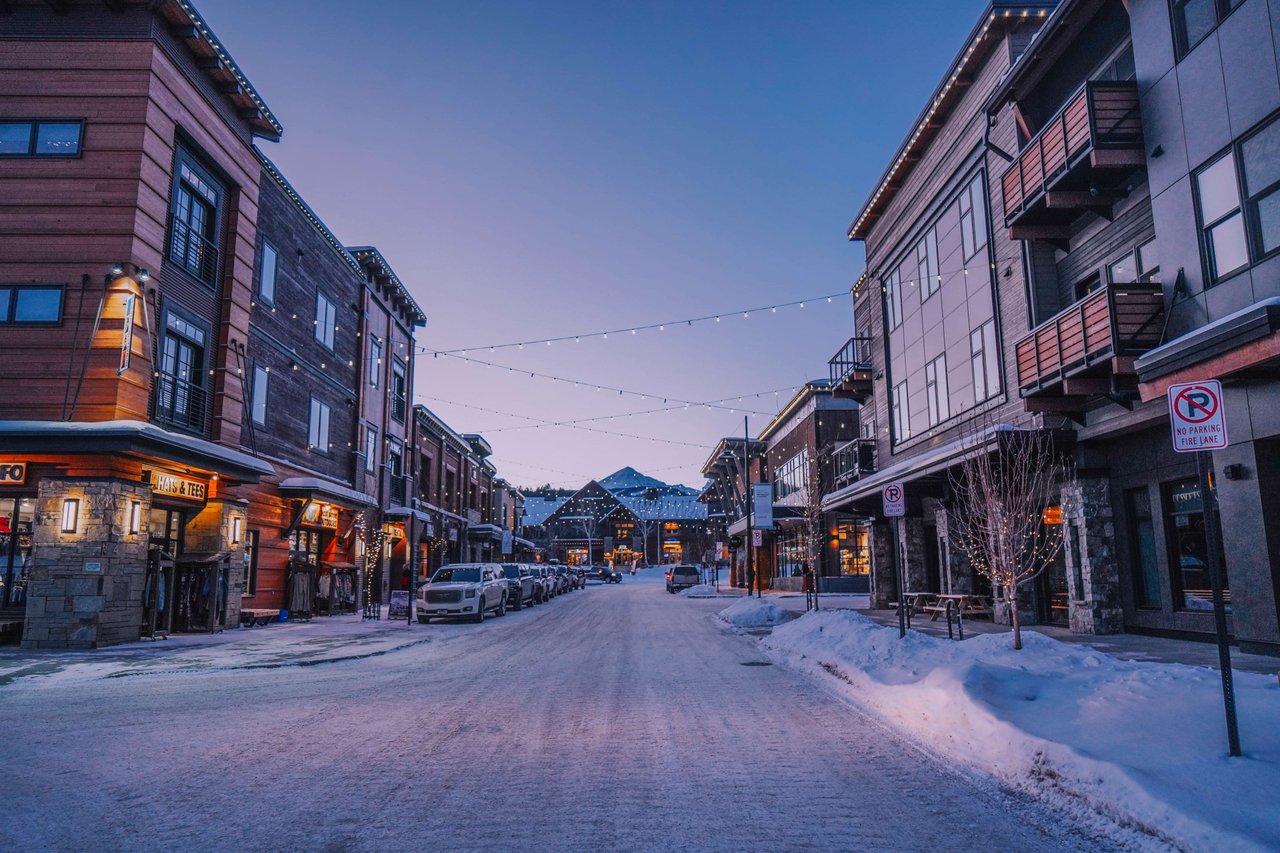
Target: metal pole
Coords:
[(1209, 505), (897, 573), (747, 498)]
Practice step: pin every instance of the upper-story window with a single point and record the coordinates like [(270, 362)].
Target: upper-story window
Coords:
[(792, 476), (326, 319), (194, 237), (893, 299), (973, 218), (375, 362), (927, 264), (935, 389), (1141, 265), (30, 304), (261, 380), (399, 391), (41, 138), (267, 278), (180, 396), (318, 427), (984, 361), (1238, 203), (898, 412), (1193, 20), (371, 449)]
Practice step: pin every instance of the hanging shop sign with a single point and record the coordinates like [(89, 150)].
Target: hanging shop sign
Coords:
[(508, 541), (762, 505), (126, 335), (12, 473), (394, 532), (321, 515), (1197, 416), (174, 486)]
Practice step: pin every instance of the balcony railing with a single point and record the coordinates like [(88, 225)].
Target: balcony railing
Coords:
[(193, 252), (1113, 325), (397, 490), (850, 369), (179, 404), (1100, 128), (853, 461)]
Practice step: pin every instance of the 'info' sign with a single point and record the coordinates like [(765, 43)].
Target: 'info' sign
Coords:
[(1196, 415)]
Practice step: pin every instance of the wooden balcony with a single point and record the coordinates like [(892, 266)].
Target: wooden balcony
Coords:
[(1089, 348), (1079, 161), (850, 370)]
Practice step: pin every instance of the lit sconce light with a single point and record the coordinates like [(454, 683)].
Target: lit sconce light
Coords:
[(135, 517), (70, 515), (144, 276), (237, 526), (117, 269)]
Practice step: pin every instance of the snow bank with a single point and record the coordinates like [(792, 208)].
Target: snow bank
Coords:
[(702, 590), (1142, 742), (754, 613)]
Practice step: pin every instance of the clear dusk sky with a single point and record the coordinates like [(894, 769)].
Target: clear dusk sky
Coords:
[(546, 168)]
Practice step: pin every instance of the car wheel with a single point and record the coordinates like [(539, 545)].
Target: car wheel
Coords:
[(518, 604), (501, 609), (479, 617)]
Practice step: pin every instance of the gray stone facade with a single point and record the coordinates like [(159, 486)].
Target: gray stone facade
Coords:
[(1093, 573)]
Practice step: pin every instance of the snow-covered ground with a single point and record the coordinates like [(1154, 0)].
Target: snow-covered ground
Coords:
[(702, 590), (614, 718), (755, 613), (1143, 742)]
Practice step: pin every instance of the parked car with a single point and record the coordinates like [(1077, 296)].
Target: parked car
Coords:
[(535, 575), (682, 577), (520, 588), (606, 575), (548, 581), (565, 578), (464, 590)]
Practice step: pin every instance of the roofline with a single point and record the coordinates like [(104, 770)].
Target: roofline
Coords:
[(450, 432), (718, 449), (809, 389), (1031, 55), (371, 252), (307, 211), (997, 10)]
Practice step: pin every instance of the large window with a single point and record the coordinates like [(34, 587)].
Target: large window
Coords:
[(935, 389), (193, 241), (180, 397), (927, 264), (267, 278), (375, 362), (34, 305), (1142, 540), (792, 478), (371, 449), (44, 138), (898, 411), (985, 362), (318, 427), (893, 299), (973, 219), (1188, 547), (326, 319), (395, 470), (1238, 203), (261, 377), (1195, 19)]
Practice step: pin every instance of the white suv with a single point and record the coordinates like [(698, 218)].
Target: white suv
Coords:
[(465, 589)]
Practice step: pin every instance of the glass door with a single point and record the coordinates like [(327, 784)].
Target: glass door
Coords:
[(16, 518)]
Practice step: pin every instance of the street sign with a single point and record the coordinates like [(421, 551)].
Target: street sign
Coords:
[(1196, 416), (762, 505), (757, 538), (894, 497)]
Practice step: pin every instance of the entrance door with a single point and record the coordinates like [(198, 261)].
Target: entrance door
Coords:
[(165, 544), (16, 518), (932, 574)]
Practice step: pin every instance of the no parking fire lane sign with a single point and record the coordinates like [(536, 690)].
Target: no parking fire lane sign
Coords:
[(1196, 415), (895, 500)]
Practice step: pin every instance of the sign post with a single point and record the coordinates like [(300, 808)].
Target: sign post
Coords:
[(894, 500), (1197, 419)]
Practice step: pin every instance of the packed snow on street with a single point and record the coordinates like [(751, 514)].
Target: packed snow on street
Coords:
[(616, 717)]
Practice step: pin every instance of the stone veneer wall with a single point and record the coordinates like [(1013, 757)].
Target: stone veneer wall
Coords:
[(70, 603), (883, 586), (1096, 608)]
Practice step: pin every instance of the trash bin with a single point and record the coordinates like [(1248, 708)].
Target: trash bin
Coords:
[(284, 615)]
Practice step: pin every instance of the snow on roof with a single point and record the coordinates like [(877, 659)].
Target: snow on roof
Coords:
[(667, 507), (629, 478), (537, 509)]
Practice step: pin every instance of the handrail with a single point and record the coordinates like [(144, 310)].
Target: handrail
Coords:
[(180, 403), (193, 252), (854, 355)]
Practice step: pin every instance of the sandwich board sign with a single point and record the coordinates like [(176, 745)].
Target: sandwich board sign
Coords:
[(895, 500), (1197, 416)]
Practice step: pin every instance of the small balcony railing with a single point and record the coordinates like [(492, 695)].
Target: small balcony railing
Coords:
[(1101, 333), (397, 490), (1100, 128), (853, 461), (179, 404), (850, 369), (193, 252)]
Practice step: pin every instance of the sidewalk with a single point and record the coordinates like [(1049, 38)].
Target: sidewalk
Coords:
[(322, 640)]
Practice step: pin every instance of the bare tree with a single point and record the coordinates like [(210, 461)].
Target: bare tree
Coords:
[(814, 526), (646, 523), (1000, 503)]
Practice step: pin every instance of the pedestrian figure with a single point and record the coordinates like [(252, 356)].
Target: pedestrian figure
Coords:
[(810, 590)]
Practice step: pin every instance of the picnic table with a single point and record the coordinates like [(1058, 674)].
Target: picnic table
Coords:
[(965, 604)]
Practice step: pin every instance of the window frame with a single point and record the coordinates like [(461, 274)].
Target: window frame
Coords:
[(974, 194), (183, 156), (371, 449), (898, 415), (318, 406), (263, 295), (400, 395), (260, 373), (33, 136), (329, 342), (893, 299), (8, 312), (1222, 10), (375, 361), (930, 279), (937, 396)]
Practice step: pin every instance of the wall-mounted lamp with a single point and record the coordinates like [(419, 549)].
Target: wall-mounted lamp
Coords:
[(117, 269), (237, 525), (144, 276), (135, 517), (1234, 471), (70, 515)]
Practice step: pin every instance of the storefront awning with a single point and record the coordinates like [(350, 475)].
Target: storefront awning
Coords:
[(406, 512), (485, 531), (922, 464), (326, 490), (524, 543), (131, 437), (1240, 341)]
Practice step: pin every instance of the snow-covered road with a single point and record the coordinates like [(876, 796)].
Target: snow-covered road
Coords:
[(615, 718)]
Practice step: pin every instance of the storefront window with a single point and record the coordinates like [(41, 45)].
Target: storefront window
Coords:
[(791, 554), (16, 518), (1188, 548), (1142, 560), (251, 562), (304, 545), (853, 542)]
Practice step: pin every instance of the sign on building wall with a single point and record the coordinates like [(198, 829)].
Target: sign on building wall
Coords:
[(894, 497), (126, 335), (762, 505), (13, 473), (1197, 416), (757, 538), (508, 540), (173, 486), (321, 515)]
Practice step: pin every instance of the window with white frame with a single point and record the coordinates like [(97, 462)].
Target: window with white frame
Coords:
[(326, 320), (935, 389), (927, 264), (893, 299), (371, 449), (1221, 218), (973, 218), (318, 429), (984, 359), (261, 376), (898, 412), (375, 362), (267, 277)]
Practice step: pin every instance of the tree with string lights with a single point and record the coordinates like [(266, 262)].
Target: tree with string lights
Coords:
[(1003, 518)]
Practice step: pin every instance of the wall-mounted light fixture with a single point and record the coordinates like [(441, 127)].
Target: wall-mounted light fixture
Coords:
[(70, 515), (135, 517), (237, 527)]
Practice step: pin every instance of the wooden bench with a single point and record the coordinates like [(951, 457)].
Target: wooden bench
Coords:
[(250, 616)]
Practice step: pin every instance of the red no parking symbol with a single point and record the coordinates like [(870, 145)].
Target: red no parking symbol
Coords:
[(894, 499)]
